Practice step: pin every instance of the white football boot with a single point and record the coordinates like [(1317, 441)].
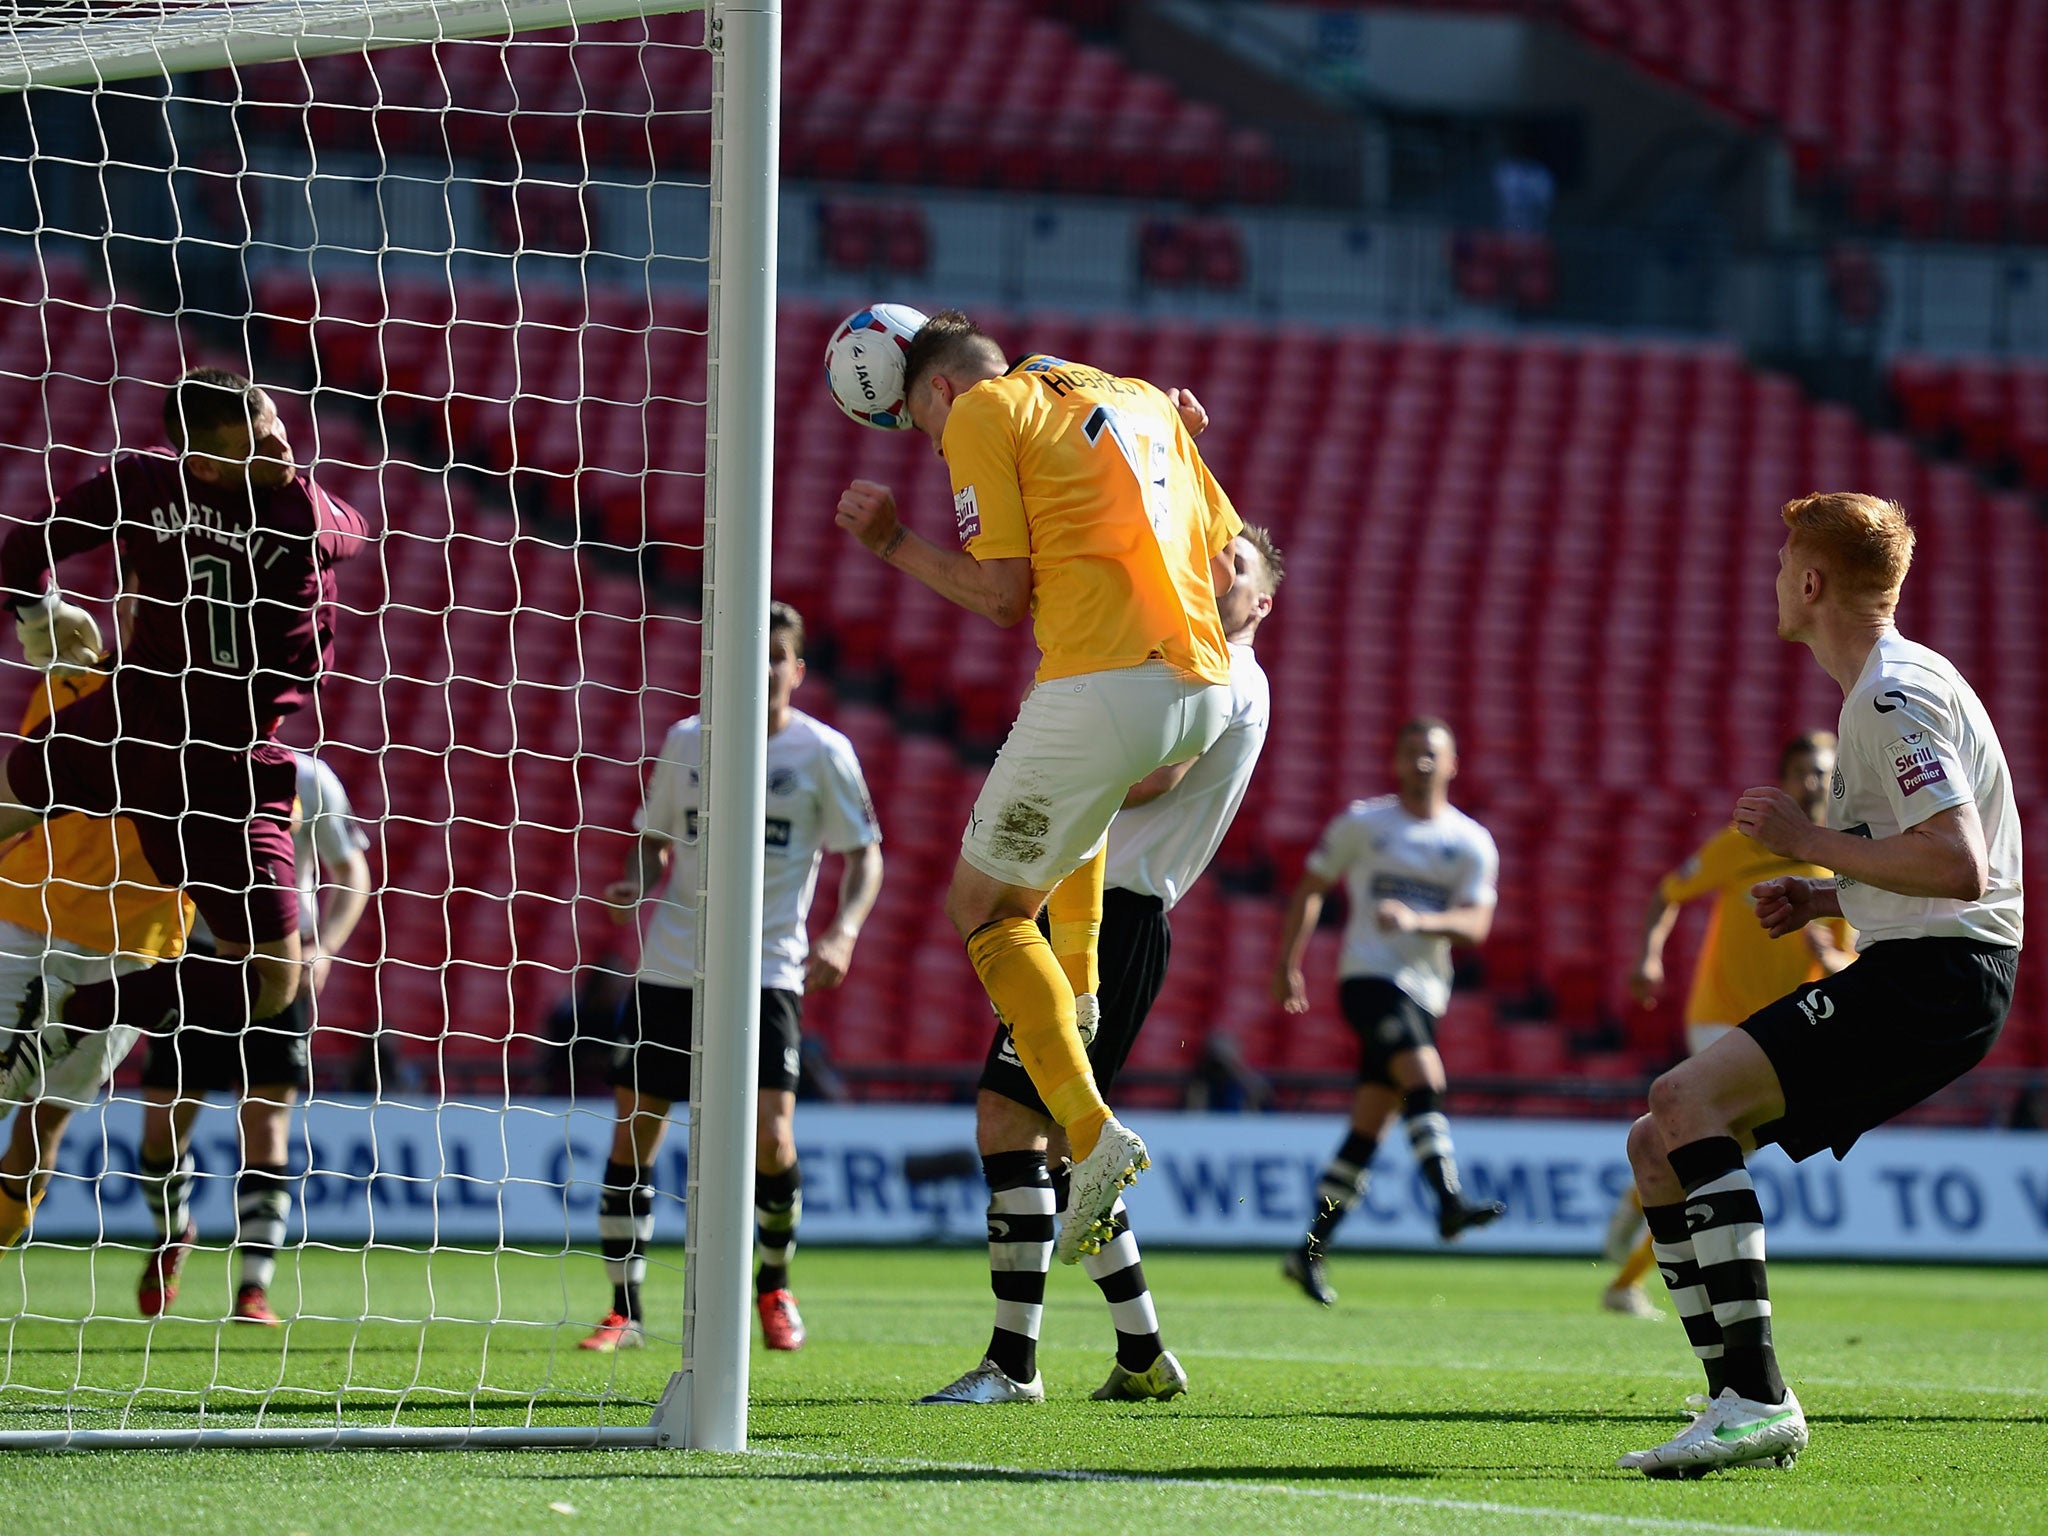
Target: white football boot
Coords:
[(1730, 1431), (987, 1383), (1094, 1185), (1631, 1300)]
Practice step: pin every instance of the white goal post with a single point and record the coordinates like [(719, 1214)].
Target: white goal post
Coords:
[(705, 1404)]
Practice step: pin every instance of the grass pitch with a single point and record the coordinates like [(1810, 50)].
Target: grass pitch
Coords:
[(1442, 1395)]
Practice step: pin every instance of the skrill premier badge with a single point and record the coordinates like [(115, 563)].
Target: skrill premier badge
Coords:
[(1915, 763)]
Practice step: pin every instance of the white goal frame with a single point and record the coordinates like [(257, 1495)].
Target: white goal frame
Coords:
[(705, 1404)]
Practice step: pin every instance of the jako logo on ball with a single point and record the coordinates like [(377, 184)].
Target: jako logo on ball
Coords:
[(864, 364)]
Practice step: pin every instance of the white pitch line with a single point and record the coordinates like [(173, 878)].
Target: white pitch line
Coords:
[(1351, 1495)]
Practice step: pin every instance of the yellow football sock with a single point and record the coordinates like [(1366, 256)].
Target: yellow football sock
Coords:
[(1638, 1265), (15, 1214), (1031, 994), (1074, 914)]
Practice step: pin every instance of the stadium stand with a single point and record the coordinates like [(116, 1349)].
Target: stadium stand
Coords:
[(1993, 412), (927, 92), (1924, 114), (887, 240), (1563, 545)]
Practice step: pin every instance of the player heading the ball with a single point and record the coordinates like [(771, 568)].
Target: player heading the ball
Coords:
[(1079, 499), (232, 554)]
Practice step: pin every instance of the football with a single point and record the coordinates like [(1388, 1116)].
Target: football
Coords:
[(864, 364)]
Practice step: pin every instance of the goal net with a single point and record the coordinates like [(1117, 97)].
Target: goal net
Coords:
[(473, 251)]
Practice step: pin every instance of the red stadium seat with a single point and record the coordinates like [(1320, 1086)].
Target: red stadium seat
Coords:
[(1493, 532), (1914, 113), (902, 96)]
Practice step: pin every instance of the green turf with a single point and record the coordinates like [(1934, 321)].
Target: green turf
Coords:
[(1443, 1395)]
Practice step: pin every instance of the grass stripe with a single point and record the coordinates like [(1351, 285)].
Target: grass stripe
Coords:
[(1285, 1490)]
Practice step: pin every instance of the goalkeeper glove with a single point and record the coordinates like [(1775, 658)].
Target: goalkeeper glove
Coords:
[(56, 635)]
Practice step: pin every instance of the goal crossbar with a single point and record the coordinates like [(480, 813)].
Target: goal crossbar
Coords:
[(271, 31)]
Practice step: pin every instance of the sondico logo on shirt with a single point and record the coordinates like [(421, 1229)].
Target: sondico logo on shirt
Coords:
[(967, 514), (1915, 763)]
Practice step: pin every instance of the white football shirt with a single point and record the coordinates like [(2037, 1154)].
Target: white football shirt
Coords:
[(1382, 853), (1160, 848), (1915, 740), (327, 837), (817, 804)]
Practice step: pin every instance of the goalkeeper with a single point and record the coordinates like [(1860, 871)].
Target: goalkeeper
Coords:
[(1079, 499), (232, 553), (78, 904)]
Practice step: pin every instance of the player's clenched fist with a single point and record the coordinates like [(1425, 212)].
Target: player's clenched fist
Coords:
[(1785, 905), (1774, 819), (868, 512), (56, 634)]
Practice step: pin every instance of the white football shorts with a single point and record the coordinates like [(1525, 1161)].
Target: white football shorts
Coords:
[(1699, 1036), (39, 1057), (1078, 745)]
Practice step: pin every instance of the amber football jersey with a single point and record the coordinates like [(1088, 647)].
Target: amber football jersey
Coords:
[(84, 879), (1741, 968), (1095, 480)]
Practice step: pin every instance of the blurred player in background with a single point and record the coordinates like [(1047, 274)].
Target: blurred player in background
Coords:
[(1924, 839), (267, 1065), (1079, 499), (232, 554), (817, 804), (78, 903), (1420, 876), (1740, 967), (1171, 824)]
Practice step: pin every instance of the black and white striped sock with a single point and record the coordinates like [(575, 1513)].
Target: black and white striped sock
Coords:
[(1429, 1137), (778, 1207), (1671, 1247), (1341, 1186), (167, 1192), (625, 1228), (1727, 1226), (263, 1201), (1020, 1229), (1120, 1275)]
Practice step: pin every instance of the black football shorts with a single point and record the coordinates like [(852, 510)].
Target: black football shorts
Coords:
[(1857, 1048), (652, 1057)]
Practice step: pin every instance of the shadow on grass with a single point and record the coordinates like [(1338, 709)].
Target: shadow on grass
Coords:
[(1651, 1418), (757, 1472), (1514, 1416)]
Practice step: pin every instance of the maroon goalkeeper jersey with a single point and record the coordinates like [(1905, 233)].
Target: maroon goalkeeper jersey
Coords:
[(235, 591)]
